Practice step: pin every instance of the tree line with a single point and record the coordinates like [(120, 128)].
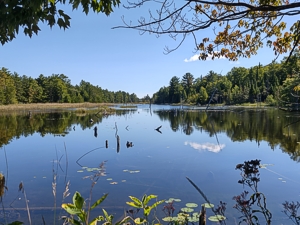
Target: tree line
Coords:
[(276, 84), (55, 88)]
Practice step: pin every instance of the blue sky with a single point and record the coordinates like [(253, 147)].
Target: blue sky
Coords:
[(114, 59)]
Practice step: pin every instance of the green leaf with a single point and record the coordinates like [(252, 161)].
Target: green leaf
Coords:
[(133, 204), (148, 198), (61, 23), (105, 214), (157, 203), (124, 220), (99, 201), (71, 209), (147, 210), (78, 201), (137, 201), (95, 220), (139, 221)]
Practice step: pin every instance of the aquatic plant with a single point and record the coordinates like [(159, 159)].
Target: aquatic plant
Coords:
[(291, 210), (250, 177), (143, 205), (78, 209)]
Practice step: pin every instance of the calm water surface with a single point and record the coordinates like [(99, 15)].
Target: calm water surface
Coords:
[(202, 146)]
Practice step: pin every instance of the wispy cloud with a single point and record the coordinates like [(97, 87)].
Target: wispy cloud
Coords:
[(211, 147), (196, 58)]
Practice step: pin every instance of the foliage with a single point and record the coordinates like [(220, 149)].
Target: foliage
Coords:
[(270, 100), (250, 177), (280, 81), (55, 88), (77, 209), (239, 29), (143, 204), (291, 210), (27, 14)]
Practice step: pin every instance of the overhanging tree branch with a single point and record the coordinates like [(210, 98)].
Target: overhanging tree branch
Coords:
[(243, 27)]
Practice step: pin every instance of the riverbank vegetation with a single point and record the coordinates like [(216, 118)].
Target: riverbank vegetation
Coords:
[(273, 84)]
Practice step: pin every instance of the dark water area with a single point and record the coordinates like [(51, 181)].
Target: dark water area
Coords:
[(47, 150)]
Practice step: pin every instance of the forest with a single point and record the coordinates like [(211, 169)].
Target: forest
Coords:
[(55, 88), (275, 84)]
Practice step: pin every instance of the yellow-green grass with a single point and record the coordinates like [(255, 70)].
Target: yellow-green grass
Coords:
[(25, 108)]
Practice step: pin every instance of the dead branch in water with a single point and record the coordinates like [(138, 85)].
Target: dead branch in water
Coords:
[(158, 129)]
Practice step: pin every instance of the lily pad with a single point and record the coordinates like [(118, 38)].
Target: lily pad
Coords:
[(187, 210), (84, 167), (168, 219), (177, 200), (208, 205), (79, 171), (125, 170), (191, 205), (181, 214), (195, 214), (217, 218), (193, 219), (109, 179)]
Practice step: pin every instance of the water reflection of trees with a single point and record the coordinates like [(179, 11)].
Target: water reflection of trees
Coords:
[(241, 125), (15, 125)]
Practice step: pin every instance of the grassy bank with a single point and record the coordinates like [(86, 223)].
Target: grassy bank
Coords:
[(46, 107)]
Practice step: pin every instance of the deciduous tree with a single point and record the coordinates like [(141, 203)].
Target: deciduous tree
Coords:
[(27, 14), (239, 28)]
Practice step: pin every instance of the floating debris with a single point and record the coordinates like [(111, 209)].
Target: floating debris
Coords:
[(79, 171), (109, 179), (113, 183)]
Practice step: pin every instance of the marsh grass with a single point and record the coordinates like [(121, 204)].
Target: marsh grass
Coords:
[(127, 106), (46, 107)]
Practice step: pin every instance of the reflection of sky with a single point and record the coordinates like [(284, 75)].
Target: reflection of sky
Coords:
[(211, 147)]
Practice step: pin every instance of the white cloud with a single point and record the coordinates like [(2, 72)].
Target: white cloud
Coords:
[(196, 58), (211, 147), (193, 58)]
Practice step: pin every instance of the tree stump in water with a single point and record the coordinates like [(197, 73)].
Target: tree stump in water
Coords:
[(202, 217)]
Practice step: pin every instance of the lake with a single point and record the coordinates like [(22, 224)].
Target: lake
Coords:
[(58, 147)]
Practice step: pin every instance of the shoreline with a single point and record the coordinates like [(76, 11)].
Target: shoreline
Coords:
[(50, 106)]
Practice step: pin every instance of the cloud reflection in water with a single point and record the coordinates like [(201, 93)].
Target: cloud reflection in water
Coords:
[(211, 147)]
